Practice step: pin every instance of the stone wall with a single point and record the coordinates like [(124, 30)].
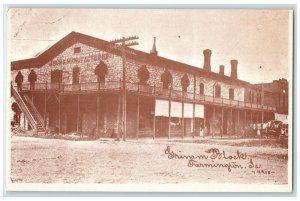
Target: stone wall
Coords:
[(86, 60), (90, 57)]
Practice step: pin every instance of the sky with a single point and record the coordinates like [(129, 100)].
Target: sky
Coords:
[(254, 37)]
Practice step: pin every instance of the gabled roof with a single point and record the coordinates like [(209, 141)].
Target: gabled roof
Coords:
[(140, 56)]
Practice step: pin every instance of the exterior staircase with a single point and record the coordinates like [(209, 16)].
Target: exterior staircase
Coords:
[(26, 106)]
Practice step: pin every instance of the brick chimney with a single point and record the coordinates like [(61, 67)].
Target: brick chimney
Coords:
[(207, 54), (234, 69), (221, 71), (154, 51)]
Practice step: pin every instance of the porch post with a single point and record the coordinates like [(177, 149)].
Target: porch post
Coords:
[(194, 120), (194, 97), (78, 113), (238, 123), (59, 123), (222, 125), (138, 116), (169, 120), (45, 110), (213, 121), (97, 115), (183, 123), (154, 131), (231, 124), (118, 117)]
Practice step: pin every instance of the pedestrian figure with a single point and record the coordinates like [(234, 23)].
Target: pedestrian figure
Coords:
[(19, 81), (32, 79)]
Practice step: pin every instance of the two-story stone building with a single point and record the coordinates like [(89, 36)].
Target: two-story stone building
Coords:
[(79, 87)]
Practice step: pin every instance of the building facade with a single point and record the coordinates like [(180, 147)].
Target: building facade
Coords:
[(77, 85)]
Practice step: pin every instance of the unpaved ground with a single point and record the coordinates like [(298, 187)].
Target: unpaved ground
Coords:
[(107, 161)]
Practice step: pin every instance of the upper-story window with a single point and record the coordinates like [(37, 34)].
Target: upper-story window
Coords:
[(201, 88), (185, 82), (231, 94), (218, 91), (56, 76), (101, 71), (143, 74), (77, 50), (166, 79)]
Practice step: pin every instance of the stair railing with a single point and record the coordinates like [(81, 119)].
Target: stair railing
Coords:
[(24, 108), (40, 119)]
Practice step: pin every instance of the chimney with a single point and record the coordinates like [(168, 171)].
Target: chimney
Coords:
[(207, 54), (234, 69), (221, 72), (154, 51)]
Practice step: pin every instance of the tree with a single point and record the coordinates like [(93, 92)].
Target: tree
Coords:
[(101, 71), (143, 74)]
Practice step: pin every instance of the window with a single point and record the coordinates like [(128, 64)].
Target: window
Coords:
[(56, 76), (76, 73), (231, 94), (218, 91), (77, 50), (201, 89)]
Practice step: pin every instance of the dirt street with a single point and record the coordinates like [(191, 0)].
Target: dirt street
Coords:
[(146, 160)]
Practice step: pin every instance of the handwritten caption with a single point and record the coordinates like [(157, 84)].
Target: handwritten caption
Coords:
[(214, 158)]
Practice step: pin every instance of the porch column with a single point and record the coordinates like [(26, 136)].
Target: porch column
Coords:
[(138, 116), (194, 121), (238, 123), (154, 129), (59, 123), (194, 97), (97, 116), (231, 124), (183, 123), (213, 121), (204, 120), (222, 124), (118, 117), (78, 106), (45, 110), (169, 120)]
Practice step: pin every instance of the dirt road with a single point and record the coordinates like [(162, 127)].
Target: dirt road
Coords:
[(160, 161)]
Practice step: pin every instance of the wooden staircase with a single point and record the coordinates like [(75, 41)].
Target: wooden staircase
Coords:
[(26, 106)]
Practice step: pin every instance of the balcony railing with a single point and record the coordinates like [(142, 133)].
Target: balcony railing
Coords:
[(145, 90)]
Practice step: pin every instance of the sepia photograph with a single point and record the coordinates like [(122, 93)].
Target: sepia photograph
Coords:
[(149, 100)]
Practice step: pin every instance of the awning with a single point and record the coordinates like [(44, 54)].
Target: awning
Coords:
[(188, 110), (199, 111), (282, 117), (176, 109), (162, 108)]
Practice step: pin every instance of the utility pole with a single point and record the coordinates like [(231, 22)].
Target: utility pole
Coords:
[(122, 44)]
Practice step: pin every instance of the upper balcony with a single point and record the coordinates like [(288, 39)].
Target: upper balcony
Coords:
[(145, 90)]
